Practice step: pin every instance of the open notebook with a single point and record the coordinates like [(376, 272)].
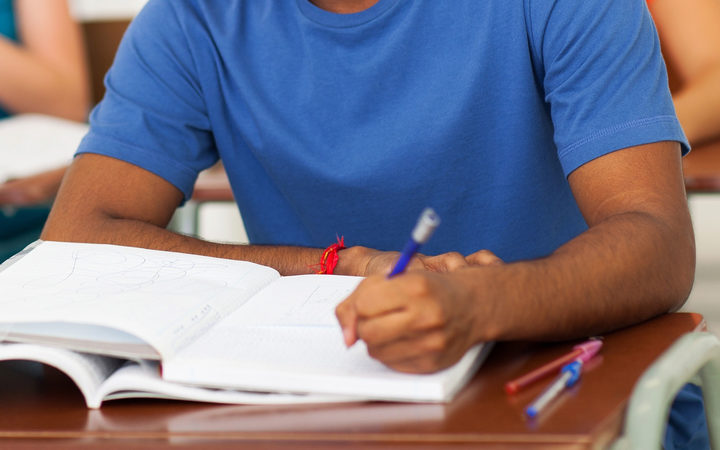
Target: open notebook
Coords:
[(207, 322)]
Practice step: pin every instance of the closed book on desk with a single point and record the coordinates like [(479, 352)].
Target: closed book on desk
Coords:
[(208, 322)]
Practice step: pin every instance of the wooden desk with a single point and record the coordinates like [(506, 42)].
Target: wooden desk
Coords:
[(39, 410), (213, 185), (702, 168)]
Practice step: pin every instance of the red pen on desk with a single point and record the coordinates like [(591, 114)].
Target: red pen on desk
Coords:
[(582, 352)]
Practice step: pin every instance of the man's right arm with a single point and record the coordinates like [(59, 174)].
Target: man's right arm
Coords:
[(106, 200), (109, 201)]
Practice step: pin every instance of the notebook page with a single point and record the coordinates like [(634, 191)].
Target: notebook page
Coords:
[(142, 380), (166, 299), (300, 300), (87, 371), (287, 339)]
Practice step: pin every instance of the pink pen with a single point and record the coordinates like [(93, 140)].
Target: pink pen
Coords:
[(581, 352)]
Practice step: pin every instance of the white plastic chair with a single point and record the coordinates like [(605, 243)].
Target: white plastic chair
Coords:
[(695, 358)]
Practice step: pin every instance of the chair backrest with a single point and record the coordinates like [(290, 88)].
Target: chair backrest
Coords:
[(102, 39)]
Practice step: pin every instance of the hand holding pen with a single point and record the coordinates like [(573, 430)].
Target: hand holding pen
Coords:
[(421, 321), (426, 225)]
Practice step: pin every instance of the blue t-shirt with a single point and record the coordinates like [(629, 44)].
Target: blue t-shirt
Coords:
[(7, 29), (350, 125)]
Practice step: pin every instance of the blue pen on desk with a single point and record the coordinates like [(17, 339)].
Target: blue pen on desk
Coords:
[(568, 377), (426, 225)]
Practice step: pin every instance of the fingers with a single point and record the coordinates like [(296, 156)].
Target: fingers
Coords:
[(409, 323), (399, 324), (425, 353), (446, 262), (419, 321), (383, 262), (420, 354), (347, 317), (377, 298), (484, 258)]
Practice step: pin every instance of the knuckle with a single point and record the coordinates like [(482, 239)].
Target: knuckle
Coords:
[(341, 309), (368, 333), (435, 343), (483, 257), (426, 365), (456, 261), (432, 316), (375, 351), (420, 286)]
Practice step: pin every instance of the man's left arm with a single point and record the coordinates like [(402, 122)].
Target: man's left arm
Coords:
[(635, 261)]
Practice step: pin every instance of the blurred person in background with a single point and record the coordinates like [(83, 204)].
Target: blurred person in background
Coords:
[(43, 71), (689, 33)]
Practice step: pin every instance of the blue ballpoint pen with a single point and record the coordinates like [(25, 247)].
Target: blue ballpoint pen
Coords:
[(426, 225), (569, 375)]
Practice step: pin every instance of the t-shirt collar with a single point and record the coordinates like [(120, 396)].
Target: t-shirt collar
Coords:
[(335, 20)]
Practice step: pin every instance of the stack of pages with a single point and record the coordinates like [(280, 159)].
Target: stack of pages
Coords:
[(128, 322)]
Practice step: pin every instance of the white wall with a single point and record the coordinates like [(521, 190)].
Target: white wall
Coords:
[(221, 222), (705, 296), (97, 10)]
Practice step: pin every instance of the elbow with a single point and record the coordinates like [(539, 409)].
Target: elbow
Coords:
[(683, 272), (65, 225)]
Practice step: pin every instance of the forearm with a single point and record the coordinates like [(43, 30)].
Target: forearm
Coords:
[(28, 84), (107, 230), (624, 270), (697, 107)]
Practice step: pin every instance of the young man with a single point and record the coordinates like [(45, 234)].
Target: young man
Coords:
[(542, 131)]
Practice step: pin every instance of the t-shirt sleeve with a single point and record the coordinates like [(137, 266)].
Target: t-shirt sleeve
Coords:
[(153, 114), (603, 76)]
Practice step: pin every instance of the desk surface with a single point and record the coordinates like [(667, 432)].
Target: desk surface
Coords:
[(213, 185), (702, 168), (39, 409)]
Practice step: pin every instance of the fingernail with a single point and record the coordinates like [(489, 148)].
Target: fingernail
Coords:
[(348, 337)]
